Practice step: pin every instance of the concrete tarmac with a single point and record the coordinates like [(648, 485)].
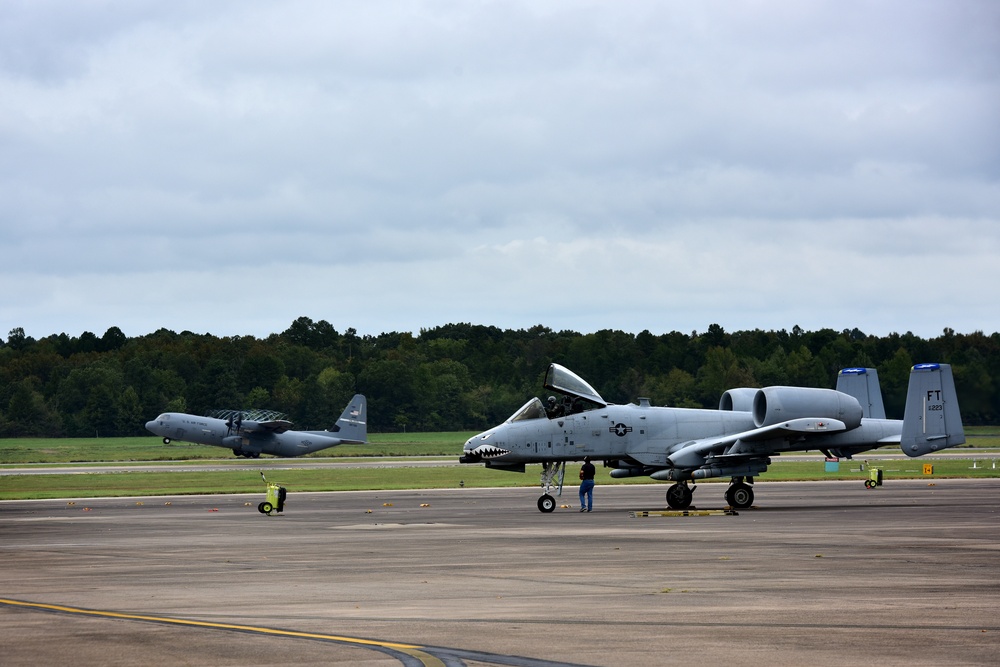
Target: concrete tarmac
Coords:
[(818, 573)]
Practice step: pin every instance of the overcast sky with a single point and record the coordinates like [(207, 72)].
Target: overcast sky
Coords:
[(226, 167)]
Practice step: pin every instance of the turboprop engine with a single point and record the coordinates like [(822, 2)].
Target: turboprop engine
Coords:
[(772, 405)]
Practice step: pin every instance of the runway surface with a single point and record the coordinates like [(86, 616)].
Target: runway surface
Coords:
[(819, 573)]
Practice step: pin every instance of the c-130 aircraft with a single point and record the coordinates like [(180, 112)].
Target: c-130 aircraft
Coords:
[(682, 445), (251, 434)]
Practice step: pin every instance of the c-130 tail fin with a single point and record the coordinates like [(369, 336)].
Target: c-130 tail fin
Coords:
[(931, 421), (352, 426)]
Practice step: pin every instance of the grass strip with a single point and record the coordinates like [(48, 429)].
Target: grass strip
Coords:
[(142, 483), (31, 451)]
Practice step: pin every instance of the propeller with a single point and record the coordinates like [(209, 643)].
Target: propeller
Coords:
[(236, 423)]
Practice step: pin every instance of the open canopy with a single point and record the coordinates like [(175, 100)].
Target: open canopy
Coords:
[(565, 381)]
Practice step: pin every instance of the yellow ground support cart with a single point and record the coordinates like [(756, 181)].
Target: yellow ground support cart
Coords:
[(275, 498), (874, 478)]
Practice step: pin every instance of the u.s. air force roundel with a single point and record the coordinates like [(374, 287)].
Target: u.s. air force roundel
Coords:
[(620, 429)]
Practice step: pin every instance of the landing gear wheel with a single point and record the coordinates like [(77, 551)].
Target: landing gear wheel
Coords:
[(266, 507), (679, 496), (546, 503), (740, 496)]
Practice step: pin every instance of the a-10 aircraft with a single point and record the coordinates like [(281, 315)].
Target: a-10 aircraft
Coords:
[(681, 445), (251, 434)]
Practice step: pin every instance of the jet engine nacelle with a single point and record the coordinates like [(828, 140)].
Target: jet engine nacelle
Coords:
[(772, 405), (738, 400)]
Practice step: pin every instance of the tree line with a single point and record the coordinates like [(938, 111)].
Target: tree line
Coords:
[(452, 377)]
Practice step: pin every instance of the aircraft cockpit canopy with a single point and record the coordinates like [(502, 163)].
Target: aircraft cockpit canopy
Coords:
[(565, 381), (533, 409)]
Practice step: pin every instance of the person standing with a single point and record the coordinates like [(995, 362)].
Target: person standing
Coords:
[(587, 472)]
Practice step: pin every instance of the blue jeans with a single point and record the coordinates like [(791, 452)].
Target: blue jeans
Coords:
[(587, 493)]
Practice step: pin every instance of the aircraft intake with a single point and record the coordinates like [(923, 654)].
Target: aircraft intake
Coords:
[(773, 405), (738, 400)]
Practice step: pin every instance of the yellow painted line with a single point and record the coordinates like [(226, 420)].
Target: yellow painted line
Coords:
[(408, 649)]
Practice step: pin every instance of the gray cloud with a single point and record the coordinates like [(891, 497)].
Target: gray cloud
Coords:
[(391, 166)]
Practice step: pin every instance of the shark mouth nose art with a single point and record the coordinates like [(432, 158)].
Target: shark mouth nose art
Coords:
[(488, 452)]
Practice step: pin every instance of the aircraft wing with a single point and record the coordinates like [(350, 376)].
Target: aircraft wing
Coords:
[(694, 453), (272, 426)]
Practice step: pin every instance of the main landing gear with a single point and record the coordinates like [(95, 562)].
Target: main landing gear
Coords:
[(247, 455), (679, 496), (739, 495), (552, 476)]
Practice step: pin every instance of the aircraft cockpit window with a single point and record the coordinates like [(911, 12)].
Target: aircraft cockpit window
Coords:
[(566, 381), (533, 409)]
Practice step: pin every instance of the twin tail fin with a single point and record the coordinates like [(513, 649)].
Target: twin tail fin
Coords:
[(931, 421)]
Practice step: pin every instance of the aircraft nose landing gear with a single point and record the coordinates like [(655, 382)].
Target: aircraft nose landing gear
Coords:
[(552, 476), (546, 503)]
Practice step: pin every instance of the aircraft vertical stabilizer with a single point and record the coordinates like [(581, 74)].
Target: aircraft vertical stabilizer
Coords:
[(862, 384), (932, 420), (353, 423)]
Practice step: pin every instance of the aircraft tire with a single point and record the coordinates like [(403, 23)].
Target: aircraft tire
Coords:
[(546, 504), (679, 496), (266, 507), (740, 496)]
